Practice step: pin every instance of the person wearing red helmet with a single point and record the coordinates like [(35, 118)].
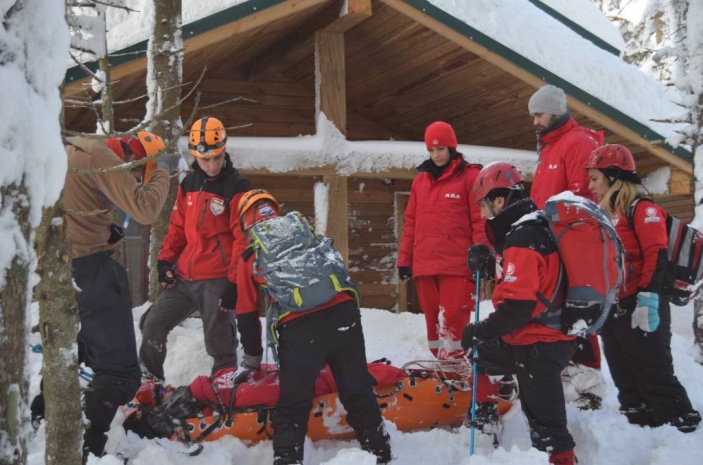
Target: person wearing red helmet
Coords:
[(637, 334), (512, 340), (563, 147), (442, 221), (197, 263), (106, 340)]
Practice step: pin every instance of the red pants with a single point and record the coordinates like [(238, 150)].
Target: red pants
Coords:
[(447, 302)]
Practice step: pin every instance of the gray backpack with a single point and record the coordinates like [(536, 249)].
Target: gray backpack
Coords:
[(301, 269)]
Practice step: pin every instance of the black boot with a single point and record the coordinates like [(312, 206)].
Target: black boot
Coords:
[(376, 441), (686, 423), (288, 444), (641, 415)]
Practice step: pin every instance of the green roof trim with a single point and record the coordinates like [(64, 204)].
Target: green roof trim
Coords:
[(208, 23), (583, 32), (548, 77)]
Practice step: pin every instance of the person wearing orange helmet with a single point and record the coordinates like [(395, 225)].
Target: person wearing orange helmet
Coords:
[(106, 340), (330, 333), (512, 340), (637, 334), (442, 221), (197, 263)]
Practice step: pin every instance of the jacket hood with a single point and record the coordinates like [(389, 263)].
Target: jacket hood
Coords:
[(498, 227)]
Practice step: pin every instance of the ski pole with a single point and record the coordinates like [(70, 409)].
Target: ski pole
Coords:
[(474, 375)]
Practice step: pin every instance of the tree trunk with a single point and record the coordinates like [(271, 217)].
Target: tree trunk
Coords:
[(58, 325), (163, 82), (14, 327)]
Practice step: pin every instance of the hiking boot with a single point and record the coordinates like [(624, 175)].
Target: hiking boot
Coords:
[(376, 441), (686, 423), (507, 388), (588, 401), (486, 417), (288, 455), (641, 415)]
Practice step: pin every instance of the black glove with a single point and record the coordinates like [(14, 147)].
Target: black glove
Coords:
[(228, 299), (481, 258), (404, 273), (468, 339), (167, 277), (169, 162)]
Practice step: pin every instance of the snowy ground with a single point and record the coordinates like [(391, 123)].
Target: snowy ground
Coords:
[(601, 437)]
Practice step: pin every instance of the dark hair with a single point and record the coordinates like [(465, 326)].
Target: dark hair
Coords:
[(510, 195)]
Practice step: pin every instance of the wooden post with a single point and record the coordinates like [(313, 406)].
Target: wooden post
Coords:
[(401, 201), (680, 182), (337, 215), (330, 99)]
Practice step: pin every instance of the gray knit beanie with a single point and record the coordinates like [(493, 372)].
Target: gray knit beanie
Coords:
[(548, 99)]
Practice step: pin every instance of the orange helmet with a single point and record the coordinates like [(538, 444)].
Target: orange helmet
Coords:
[(256, 205), (207, 138), (152, 144), (497, 175)]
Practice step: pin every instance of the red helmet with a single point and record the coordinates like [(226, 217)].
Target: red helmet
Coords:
[(611, 156), (497, 175)]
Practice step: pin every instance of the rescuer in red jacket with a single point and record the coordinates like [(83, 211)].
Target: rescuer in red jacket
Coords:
[(637, 334), (442, 220), (563, 148), (512, 339)]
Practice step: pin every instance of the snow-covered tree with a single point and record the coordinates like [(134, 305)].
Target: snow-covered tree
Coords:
[(164, 77), (34, 43)]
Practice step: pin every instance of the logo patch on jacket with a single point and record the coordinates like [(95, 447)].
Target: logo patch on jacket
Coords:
[(217, 206), (652, 215), (509, 276), (450, 195)]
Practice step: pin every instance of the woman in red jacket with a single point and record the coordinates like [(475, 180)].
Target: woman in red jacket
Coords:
[(637, 335), (442, 220)]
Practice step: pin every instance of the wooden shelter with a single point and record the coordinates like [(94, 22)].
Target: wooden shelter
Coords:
[(379, 70)]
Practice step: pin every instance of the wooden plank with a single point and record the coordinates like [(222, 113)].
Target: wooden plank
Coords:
[(330, 87), (680, 182), (337, 216), (353, 13)]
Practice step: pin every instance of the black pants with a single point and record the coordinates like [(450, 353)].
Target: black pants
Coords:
[(641, 363), (106, 342), (538, 369), (332, 336)]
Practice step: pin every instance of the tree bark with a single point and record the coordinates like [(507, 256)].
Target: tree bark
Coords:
[(58, 325), (163, 108), (14, 327)]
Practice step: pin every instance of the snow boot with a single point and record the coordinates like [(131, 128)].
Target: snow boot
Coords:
[(288, 444), (686, 423), (376, 441), (563, 458), (641, 415)]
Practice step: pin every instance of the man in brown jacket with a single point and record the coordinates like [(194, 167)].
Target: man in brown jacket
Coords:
[(106, 340)]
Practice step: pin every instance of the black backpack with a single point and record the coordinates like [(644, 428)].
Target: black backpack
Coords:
[(682, 278)]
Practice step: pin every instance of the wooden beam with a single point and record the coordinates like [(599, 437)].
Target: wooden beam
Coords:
[(354, 12), (337, 215), (330, 79), (680, 182), (401, 201), (327, 16), (211, 37), (536, 82)]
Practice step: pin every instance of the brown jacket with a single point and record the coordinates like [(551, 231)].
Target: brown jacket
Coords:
[(100, 193)]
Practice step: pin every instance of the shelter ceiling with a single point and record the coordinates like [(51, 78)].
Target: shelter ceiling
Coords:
[(400, 76)]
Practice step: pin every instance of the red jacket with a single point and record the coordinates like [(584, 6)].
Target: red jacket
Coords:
[(442, 220), (643, 239), (204, 237), (562, 162)]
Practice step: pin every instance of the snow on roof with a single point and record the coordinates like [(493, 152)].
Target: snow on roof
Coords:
[(328, 147), (586, 14), (553, 46)]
